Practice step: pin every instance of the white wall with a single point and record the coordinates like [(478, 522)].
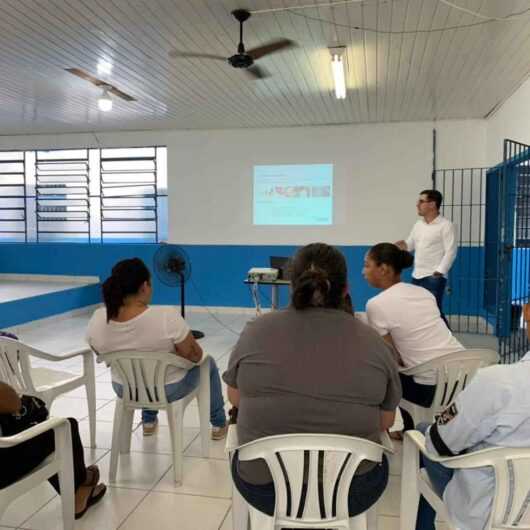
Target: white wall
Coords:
[(379, 170), (512, 120)]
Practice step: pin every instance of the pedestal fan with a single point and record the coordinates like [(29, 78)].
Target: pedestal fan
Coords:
[(173, 268)]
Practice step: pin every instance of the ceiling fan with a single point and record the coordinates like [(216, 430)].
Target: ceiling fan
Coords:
[(244, 59), (105, 85)]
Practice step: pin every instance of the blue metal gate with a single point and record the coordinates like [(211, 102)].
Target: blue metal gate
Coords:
[(508, 252)]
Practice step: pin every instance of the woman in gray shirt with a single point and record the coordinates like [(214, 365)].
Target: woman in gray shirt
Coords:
[(312, 368)]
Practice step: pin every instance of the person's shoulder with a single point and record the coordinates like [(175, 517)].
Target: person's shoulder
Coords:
[(99, 315)]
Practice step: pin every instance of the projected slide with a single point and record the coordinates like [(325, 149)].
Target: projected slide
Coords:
[(293, 194)]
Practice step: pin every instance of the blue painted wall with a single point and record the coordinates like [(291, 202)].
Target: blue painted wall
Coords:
[(218, 270)]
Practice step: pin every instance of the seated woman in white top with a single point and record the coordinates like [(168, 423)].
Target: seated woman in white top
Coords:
[(128, 322), (407, 317)]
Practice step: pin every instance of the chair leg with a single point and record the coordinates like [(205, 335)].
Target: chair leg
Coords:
[(63, 451), (116, 439), (359, 522), (90, 387), (371, 517), (260, 521), (410, 493), (175, 413), (126, 430), (240, 513), (203, 399)]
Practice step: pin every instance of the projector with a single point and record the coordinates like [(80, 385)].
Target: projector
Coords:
[(262, 274)]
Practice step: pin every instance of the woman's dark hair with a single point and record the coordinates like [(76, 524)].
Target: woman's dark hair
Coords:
[(318, 277), (390, 254), (126, 278)]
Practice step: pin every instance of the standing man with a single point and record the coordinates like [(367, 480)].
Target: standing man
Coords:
[(434, 242)]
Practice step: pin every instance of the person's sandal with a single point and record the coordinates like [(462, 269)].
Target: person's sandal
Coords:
[(218, 433), (92, 499)]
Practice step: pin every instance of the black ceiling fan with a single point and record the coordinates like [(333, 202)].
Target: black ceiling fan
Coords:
[(243, 59)]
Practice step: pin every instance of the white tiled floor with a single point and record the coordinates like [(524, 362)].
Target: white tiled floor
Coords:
[(145, 492)]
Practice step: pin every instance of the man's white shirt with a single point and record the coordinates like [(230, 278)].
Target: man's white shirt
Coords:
[(434, 245)]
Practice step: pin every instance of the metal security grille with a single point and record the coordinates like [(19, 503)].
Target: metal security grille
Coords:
[(84, 195), (12, 196), (464, 204)]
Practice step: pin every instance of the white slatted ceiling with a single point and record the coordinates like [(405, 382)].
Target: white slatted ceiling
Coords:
[(456, 73)]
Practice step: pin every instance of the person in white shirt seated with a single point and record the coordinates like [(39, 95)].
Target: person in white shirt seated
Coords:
[(492, 411), (129, 323), (407, 317)]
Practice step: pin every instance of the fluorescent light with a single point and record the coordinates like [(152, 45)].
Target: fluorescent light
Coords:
[(105, 101), (104, 67), (337, 67)]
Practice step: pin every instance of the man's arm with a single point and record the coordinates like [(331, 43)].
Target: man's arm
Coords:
[(9, 400), (407, 244), (189, 348), (450, 250)]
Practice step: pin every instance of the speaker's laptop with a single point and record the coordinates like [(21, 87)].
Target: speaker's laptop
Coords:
[(283, 266)]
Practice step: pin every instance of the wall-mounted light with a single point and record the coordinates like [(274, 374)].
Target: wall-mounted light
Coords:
[(337, 68), (105, 101)]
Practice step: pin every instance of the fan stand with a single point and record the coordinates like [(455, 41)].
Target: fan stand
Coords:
[(195, 332)]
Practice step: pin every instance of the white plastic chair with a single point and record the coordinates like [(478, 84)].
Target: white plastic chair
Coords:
[(60, 463), (323, 501), (511, 467), (46, 383), (143, 375), (453, 372)]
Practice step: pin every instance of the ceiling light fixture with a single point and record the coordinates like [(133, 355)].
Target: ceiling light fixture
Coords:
[(337, 68), (105, 101)]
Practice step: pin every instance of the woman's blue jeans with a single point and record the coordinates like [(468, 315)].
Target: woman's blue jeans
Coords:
[(439, 476), (180, 389)]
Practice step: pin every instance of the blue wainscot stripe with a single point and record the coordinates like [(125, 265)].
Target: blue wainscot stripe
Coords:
[(45, 305), (218, 271)]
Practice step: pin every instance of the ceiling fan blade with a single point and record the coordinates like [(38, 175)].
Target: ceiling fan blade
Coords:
[(100, 83), (257, 72), (271, 47), (117, 92), (84, 75), (174, 54)]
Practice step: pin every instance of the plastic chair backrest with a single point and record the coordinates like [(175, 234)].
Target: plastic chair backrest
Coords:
[(453, 372), (143, 376), (15, 369), (312, 475)]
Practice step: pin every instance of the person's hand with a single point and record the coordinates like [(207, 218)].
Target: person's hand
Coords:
[(437, 274), (401, 244)]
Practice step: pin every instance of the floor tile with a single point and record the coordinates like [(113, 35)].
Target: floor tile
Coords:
[(136, 470), (25, 506), (160, 442), (67, 407), (201, 476), (170, 511), (103, 391), (108, 514), (227, 523), (217, 449), (387, 523), (103, 434)]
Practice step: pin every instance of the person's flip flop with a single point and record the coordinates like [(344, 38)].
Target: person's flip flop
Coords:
[(92, 499)]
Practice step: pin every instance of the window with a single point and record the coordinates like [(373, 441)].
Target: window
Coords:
[(84, 195)]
